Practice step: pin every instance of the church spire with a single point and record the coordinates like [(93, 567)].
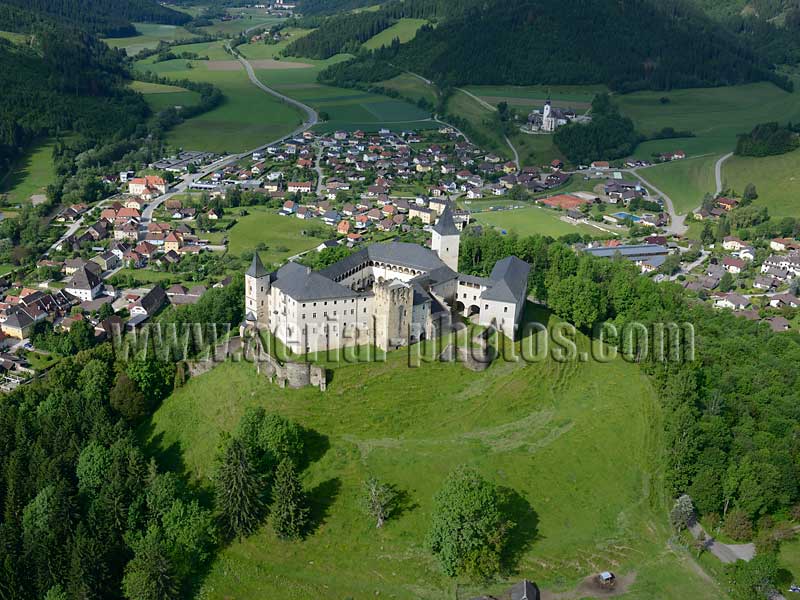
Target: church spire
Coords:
[(256, 269), (445, 225)]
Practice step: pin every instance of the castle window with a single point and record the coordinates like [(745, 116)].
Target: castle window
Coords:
[(486, 306), (304, 304), (505, 309), (325, 303), (304, 316), (314, 316)]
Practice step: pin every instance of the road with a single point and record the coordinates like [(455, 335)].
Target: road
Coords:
[(311, 119), (676, 222), (726, 553), (516, 154), (718, 172), (318, 169)]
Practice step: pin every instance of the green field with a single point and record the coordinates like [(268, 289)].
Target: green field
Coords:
[(347, 109), (534, 220), (411, 86), (160, 97), (578, 449), (248, 118), (404, 30), (578, 97), (714, 115), (685, 181), (252, 18), (31, 174), (265, 225), (13, 37), (777, 180), (150, 34)]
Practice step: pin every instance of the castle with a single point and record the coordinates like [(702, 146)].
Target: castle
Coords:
[(390, 295)]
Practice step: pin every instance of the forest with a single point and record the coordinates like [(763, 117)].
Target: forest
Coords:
[(768, 139), (512, 43), (62, 82), (109, 17)]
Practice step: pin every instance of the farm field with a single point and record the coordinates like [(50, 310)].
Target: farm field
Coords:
[(30, 175), (777, 180), (346, 109), (248, 117), (685, 181), (714, 115), (548, 431), (160, 97), (251, 18), (283, 236), (404, 30), (150, 34), (533, 220)]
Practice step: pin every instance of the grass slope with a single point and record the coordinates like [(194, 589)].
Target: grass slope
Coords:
[(577, 447), (31, 174), (714, 115), (159, 97), (685, 181), (150, 34), (404, 30), (777, 180)]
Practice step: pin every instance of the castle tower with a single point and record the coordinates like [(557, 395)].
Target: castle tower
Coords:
[(446, 239), (256, 293), (394, 303)]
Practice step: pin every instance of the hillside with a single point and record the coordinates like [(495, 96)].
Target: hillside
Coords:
[(524, 42), (110, 17), (64, 81)]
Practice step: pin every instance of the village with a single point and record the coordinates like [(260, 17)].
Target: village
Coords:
[(352, 189)]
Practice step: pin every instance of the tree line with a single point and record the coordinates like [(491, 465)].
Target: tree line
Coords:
[(768, 139)]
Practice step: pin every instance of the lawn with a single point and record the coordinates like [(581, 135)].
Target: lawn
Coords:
[(685, 181), (577, 447), (714, 115), (283, 236), (160, 97), (404, 30), (777, 180), (248, 118), (790, 558), (150, 34), (31, 174), (534, 220)]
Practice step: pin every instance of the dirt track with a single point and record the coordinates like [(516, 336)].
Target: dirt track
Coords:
[(590, 588)]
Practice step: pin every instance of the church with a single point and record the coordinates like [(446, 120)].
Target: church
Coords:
[(386, 294)]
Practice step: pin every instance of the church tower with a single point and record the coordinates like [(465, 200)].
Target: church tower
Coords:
[(446, 239), (256, 293)]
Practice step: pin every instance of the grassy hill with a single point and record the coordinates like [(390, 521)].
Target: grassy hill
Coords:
[(577, 442), (777, 180)]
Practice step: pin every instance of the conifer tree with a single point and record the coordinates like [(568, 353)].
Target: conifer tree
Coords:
[(289, 514)]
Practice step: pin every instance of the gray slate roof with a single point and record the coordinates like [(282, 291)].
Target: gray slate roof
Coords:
[(445, 224), (256, 269), (403, 254), (301, 283), (84, 279), (509, 280)]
